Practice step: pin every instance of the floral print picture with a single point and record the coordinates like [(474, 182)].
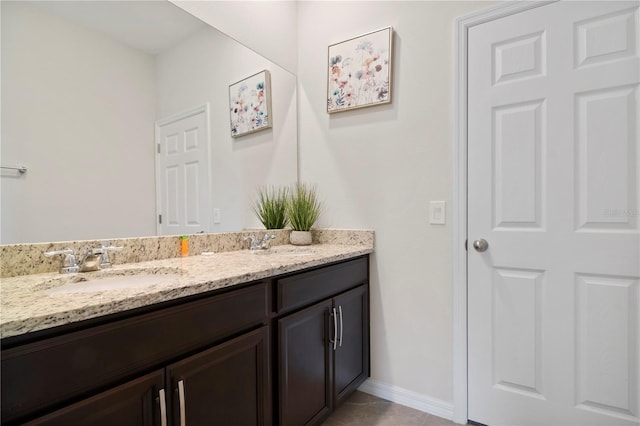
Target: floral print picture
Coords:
[(250, 104), (359, 71)]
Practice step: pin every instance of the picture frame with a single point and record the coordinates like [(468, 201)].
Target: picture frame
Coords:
[(359, 71), (250, 104)]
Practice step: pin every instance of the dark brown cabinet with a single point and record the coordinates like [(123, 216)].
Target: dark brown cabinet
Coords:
[(133, 403), (323, 349), (351, 365), (305, 365), (211, 359), (226, 385), (130, 371)]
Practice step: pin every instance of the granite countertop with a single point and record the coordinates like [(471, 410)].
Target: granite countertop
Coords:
[(31, 302)]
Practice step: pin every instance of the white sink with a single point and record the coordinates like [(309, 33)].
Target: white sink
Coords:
[(288, 251), (296, 253), (109, 280)]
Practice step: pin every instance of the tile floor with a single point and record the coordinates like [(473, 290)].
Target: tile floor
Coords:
[(362, 409)]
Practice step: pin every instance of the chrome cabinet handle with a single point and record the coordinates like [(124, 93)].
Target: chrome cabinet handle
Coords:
[(335, 329), (163, 407), (340, 310), (480, 245), (183, 420), (330, 319)]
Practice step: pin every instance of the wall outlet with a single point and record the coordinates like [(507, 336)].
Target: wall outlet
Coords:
[(438, 212), (217, 215)]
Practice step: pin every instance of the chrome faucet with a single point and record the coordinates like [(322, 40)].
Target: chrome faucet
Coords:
[(257, 243), (93, 259), (106, 247), (69, 264)]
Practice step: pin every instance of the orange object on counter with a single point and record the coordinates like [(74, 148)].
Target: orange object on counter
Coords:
[(184, 245)]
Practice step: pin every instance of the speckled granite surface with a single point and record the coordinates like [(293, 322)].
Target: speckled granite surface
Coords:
[(28, 304), (26, 259)]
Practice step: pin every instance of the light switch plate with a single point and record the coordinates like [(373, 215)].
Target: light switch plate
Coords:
[(216, 215), (438, 212)]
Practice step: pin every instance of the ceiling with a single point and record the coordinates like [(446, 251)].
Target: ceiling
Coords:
[(148, 25)]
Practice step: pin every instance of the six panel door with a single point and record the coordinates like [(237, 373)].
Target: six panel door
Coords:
[(553, 186), (183, 174)]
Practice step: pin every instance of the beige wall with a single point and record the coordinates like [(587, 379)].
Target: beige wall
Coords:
[(380, 167), (268, 27)]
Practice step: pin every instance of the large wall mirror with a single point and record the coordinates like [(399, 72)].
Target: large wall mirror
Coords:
[(84, 85)]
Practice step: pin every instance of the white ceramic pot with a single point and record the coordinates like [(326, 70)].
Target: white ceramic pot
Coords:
[(300, 238)]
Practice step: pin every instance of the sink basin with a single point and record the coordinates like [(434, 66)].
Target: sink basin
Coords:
[(109, 280), (296, 253), (288, 251)]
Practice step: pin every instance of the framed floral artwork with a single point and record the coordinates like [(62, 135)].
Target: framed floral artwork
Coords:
[(359, 71), (250, 104)]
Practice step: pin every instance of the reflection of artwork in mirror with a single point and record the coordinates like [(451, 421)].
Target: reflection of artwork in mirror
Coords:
[(359, 71), (250, 104)]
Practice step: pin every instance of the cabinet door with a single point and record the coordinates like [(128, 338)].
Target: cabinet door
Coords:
[(36, 376), (134, 403), (225, 385), (352, 354), (305, 365)]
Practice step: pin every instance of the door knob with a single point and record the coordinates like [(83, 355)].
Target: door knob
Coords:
[(481, 245)]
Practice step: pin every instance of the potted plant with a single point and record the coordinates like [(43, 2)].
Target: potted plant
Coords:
[(303, 209), (271, 206)]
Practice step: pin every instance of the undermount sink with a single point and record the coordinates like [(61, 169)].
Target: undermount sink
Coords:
[(296, 253), (109, 280), (288, 251)]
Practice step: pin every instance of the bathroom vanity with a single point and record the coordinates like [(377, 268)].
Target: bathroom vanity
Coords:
[(237, 339)]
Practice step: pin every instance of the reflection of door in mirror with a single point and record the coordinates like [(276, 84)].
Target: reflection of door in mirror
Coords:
[(183, 173)]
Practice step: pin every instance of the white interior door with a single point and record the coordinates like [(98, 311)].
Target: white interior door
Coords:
[(553, 187), (183, 173)]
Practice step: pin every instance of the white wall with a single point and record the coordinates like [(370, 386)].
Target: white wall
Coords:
[(379, 167), (268, 27), (199, 71), (82, 137)]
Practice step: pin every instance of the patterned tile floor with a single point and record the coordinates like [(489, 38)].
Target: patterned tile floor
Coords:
[(362, 409)]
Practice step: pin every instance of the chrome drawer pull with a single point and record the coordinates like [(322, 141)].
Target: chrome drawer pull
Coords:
[(163, 407), (340, 310), (183, 420), (335, 329)]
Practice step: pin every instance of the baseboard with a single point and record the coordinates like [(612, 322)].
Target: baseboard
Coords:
[(408, 398)]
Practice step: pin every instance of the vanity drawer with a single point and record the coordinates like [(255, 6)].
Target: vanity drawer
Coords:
[(305, 288), (39, 375)]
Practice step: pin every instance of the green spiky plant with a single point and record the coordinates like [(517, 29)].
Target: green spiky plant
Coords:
[(271, 206), (303, 207)]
